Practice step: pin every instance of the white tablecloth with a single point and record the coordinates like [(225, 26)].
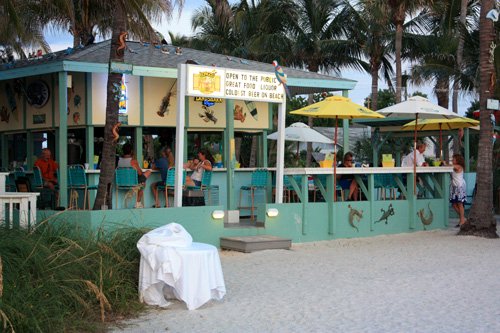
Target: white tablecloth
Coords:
[(190, 273)]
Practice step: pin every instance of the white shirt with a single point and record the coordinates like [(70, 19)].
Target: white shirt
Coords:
[(408, 160)]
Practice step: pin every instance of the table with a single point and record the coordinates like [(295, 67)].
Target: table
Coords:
[(27, 207), (192, 274)]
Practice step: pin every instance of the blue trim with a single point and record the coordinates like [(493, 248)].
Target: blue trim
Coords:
[(141, 101), (53, 85), (25, 108), (315, 83), (88, 99), (86, 67), (155, 72)]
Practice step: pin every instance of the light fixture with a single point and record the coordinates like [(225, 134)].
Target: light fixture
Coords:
[(492, 15), (218, 214), (272, 212), (69, 81)]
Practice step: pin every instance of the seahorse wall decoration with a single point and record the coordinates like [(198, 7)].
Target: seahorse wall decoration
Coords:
[(386, 214), (120, 50), (115, 130), (354, 214), (426, 220)]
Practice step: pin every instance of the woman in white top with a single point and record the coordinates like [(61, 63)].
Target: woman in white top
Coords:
[(204, 164), (458, 193)]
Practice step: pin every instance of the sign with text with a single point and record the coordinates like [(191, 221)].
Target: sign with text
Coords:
[(234, 84)]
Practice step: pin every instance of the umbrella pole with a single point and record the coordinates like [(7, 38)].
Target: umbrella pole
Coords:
[(440, 142), (335, 161), (415, 157), (298, 153)]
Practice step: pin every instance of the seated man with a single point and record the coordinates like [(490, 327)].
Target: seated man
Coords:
[(348, 181), (408, 159), (48, 168), (162, 164)]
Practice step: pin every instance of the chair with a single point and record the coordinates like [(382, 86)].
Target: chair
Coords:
[(18, 173), (37, 179), (206, 181), (258, 182), (384, 183), (170, 183), (126, 179), (322, 179), (10, 184), (77, 180), (471, 188), (287, 189)]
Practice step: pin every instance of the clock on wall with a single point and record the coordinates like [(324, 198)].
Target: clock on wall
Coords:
[(38, 93)]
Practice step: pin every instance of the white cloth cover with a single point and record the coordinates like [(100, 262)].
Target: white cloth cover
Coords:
[(172, 265)]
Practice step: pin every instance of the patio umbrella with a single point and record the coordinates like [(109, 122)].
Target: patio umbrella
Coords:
[(300, 132), (417, 106), (337, 107), (440, 124)]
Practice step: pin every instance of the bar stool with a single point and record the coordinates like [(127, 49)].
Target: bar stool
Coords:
[(126, 179), (77, 180), (259, 182)]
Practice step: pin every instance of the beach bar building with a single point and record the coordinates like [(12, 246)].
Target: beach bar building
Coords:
[(188, 99)]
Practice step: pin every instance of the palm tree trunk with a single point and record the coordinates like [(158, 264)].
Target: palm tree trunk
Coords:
[(460, 51), (399, 20), (481, 221), (108, 160), (375, 67), (443, 92)]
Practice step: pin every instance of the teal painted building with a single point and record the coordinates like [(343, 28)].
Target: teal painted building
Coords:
[(58, 101)]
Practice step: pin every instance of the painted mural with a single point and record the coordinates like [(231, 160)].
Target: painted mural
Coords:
[(426, 220), (354, 216), (386, 214)]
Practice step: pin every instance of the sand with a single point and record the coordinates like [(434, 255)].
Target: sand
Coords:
[(430, 281)]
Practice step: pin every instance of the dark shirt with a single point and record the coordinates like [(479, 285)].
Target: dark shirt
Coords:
[(346, 177), (162, 165)]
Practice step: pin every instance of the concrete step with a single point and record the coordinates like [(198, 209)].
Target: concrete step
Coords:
[(249, 244)]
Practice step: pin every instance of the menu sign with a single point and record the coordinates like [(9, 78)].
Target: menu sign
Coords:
[(234, 84)]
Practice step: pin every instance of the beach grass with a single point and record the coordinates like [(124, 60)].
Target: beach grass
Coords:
[(56, 280)]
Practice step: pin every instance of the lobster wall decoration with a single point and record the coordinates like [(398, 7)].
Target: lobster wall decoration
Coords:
[(165, 102)]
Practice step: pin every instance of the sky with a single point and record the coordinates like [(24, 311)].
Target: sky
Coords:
[(181, 24)]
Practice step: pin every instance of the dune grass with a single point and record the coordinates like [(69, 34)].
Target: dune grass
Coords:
[(54, 280)]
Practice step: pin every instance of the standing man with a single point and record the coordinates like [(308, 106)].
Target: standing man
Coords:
[(408, 159), (48, 168)]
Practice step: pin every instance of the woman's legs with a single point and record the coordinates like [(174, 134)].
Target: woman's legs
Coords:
[(461, 212), (154, 188), (353, 191)]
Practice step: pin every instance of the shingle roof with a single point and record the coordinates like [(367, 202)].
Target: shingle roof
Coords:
[(150, 56)]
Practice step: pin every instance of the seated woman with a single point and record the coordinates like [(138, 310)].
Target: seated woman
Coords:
[(347, 182), (204, 163), (128, 161)]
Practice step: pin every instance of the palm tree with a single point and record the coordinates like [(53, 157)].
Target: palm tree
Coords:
[(315, 30), (481, 221), (125, 11), (215, 24), (368, 37), (22, 26), (399, 9)]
